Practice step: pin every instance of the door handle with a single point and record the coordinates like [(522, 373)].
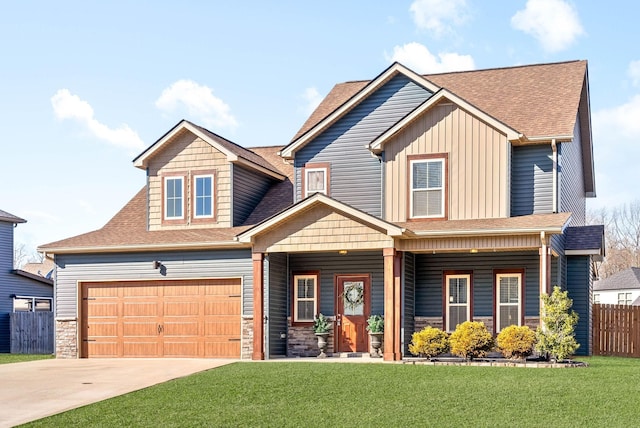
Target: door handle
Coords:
[(160, 328), (338, 320)]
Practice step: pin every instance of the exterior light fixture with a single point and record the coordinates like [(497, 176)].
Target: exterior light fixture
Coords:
[(342, 252)]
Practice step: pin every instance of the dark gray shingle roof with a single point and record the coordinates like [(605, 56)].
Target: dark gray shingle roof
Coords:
[(584, 238), (626, 279)]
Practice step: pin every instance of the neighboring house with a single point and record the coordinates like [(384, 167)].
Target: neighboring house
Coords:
[(19, 290), (623, 288), (44, 268), (430, 199)]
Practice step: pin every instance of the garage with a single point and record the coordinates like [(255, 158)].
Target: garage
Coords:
[(168, 318)]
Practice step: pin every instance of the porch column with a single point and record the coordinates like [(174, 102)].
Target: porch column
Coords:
[(545, 269), (258, 306), (392, 304)]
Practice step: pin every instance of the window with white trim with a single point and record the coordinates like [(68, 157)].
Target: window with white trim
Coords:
[(624, 298), (458, 293), (596, 298), (315, 181), (508, 300), (203, 196), (427, 188), (305, 297), (32, 304), (173, 198)]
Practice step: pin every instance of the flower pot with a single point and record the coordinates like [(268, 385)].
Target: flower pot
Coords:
[(376, 343), (322, 344)]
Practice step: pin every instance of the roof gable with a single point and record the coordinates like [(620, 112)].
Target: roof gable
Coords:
[(233, 152), (354, 99)]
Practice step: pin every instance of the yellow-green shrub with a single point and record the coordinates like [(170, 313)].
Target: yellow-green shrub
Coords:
[(429, 342), (471, 340), (516, 341)]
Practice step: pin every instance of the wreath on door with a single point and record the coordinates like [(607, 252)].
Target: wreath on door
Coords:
[(353, 295)]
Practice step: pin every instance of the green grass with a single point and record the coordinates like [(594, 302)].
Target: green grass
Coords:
[(19, 358), (301, 394)]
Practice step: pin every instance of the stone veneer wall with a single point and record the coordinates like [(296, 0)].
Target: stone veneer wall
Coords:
[(66, 338), (422, 322), (302, 342), (247, 338)]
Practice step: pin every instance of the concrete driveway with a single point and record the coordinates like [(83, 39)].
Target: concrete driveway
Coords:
[(35, 389)]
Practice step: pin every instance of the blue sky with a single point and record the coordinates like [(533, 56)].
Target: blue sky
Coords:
[(85, 86)]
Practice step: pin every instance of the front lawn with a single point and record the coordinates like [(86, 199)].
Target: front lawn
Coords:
[(307, 394), (19, 358)]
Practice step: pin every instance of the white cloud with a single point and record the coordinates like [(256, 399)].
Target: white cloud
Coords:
[(634, 72), (69, 106), (200, 104), (312, 98), (418, 58), (554, 23), (438, 16)]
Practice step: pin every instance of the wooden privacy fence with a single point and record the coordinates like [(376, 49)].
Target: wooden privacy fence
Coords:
[(616, 330), (32, 332)]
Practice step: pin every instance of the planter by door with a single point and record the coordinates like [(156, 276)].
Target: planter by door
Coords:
[(322, 344), (376, 343)]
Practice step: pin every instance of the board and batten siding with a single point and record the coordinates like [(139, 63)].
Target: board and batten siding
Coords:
[(571, 176), (355, 175), (276, 303), (429, 280), (75, 268), (409, 301), (478, 159), (185, 155), (331, 264), (11, 283), (580, 287), (532, 180), (248, 189)]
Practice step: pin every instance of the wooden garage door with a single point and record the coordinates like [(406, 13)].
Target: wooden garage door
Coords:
[(162, 319)]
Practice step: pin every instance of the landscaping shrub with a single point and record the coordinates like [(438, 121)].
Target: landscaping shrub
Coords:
[(516, 341), (471, 340), (558, 323), (429, 342)]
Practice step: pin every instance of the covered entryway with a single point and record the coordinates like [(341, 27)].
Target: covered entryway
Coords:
[(169, 318)]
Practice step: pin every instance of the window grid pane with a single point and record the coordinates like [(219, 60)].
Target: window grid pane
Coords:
[(204, 197), (173, 197), (427, 188), (305, 302), (508, 301)]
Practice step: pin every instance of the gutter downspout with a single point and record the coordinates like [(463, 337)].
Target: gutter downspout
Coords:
[(554, 149)]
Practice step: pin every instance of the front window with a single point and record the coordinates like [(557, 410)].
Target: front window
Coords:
[(508, 300), (174, 198), (427, 188), (624, 298), (31, 304), (458, 296), (203, 196), (305, 297)]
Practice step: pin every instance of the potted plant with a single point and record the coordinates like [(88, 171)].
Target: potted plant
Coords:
[(321, 327), (375, 327)]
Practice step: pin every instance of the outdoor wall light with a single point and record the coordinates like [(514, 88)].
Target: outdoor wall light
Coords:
[(342, 252), (157, 264)]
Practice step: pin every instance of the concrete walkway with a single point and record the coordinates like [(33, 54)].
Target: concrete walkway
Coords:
[(35, 389)]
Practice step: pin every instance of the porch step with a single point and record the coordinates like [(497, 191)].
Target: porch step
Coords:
[(351, 355)]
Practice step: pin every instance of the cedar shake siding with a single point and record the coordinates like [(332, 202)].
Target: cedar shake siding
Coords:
[(477, 160), (187, 155), (356, 174)]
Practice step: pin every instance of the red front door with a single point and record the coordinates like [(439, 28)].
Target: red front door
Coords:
[(352, 303)]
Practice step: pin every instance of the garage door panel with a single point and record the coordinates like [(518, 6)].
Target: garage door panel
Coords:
[(187, 318)]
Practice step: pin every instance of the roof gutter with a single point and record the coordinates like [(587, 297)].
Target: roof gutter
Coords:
[(480, 232), (142, 248)]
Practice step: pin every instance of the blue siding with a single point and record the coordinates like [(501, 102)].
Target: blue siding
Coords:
[(248, 189), (579, 286), (571, 177), (331, 264), (11, 283), (355, 174), (74, 268), (429, 277), (532, 180), (276, 303), (409, 300)]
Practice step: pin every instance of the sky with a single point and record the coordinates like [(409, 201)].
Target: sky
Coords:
[(86, 86)]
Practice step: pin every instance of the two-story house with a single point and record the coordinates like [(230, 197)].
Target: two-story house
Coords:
[(429, 199)]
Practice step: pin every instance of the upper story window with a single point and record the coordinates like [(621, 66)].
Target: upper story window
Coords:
[(203, 196), (316, 179), (173, 198), (427, 187)]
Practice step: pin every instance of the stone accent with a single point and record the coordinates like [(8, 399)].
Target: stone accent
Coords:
[(246, 350), (302, 342), (422, 322), (66, 338), (488, 322), (532, 322)]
